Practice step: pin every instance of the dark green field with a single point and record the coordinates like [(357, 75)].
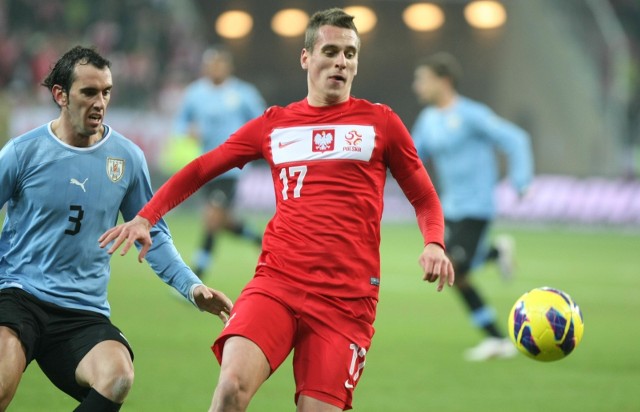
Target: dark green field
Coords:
[(415, 363)]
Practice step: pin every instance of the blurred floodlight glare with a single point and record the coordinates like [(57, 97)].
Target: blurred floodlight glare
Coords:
[(485, 14), (289, 22), (423, 17), (364, 18), (234, 24)]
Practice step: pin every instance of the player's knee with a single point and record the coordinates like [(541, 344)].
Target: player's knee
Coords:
[(122, 384), (116, 384), (232, 394)]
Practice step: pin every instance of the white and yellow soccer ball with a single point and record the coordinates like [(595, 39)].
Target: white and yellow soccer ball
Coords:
[(546, 324)]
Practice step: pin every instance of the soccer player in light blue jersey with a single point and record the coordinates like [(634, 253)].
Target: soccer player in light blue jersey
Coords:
[(215, 106), (462, 137), (64, 184)]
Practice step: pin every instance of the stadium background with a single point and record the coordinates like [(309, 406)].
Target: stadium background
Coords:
[(566, 71)]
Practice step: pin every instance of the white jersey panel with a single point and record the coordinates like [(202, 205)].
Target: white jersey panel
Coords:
[(322, 142)]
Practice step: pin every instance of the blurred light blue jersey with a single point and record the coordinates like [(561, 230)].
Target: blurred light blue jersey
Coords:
[(217, 111), (461, 142), (60, 199)]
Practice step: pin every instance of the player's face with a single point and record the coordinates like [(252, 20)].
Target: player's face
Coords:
[(86, 104), (217, 68), (331, 65), (426, 85)]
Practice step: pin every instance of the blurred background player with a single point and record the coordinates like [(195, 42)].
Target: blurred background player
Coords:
[(460, 136), (215, 106), (65, 182)]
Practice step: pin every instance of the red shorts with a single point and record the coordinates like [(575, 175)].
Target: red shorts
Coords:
[(329, 336)]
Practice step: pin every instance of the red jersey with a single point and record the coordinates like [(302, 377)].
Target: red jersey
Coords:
[(329, 167)]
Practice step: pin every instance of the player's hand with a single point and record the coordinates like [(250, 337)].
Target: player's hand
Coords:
[(213, 301), (436, 266), (137, 229)]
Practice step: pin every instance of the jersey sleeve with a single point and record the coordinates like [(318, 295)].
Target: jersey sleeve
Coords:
[(407, 168), (163, 257), (254, 102), (184, 118), (8, 172), (242, 147), (513, 141), (419, 135)]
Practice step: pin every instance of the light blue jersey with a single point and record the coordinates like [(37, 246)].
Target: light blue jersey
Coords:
[(461, 141), (217, 111), (60, 199)]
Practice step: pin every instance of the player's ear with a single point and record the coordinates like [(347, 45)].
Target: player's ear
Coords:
[(304, 59), (59, 95)]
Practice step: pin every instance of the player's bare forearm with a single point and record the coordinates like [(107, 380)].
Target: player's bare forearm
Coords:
[(436, 266), (126, 234)]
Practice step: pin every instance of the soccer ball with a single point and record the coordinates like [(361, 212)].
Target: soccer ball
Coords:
[(545, 324)]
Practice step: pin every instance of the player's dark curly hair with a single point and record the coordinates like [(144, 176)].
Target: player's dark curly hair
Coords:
[(62, 72), (443, 64), (330, 17)]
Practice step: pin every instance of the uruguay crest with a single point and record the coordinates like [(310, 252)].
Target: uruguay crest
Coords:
[(115, 168)]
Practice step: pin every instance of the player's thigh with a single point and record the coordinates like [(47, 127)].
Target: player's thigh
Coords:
[(244, 363), (79, 335), (265, 321), (215, 217), (104, 361), (12, 363), (463, 239), (25, 316), (220, 192), (21, 320), (308, 404)]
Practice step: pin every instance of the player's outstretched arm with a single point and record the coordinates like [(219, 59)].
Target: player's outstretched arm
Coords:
[(212, 301), (137, 229), (436, 266)]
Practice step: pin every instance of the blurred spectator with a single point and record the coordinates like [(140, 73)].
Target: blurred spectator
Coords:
[(33, 33)]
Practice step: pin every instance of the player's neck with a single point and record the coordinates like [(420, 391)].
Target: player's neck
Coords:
[(218, 81), (447, 99), (323, 101), (63, 131)]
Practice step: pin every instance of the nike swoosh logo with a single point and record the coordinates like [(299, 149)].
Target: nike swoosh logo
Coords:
[(282, 145)]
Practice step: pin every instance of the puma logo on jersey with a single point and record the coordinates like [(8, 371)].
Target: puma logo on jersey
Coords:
[(76, 182)]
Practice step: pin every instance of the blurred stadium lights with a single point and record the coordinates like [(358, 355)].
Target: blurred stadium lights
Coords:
[(289, 22), (234, 24), (423, 17), (365, 19), (485, 14)]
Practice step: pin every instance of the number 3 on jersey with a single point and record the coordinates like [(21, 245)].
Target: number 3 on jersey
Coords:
[(296, 173), (77, 214)]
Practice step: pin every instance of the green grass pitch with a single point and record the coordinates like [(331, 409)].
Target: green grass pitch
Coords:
[(415, 363)]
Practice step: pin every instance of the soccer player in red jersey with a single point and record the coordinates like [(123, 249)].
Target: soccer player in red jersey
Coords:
[(316, 284)]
